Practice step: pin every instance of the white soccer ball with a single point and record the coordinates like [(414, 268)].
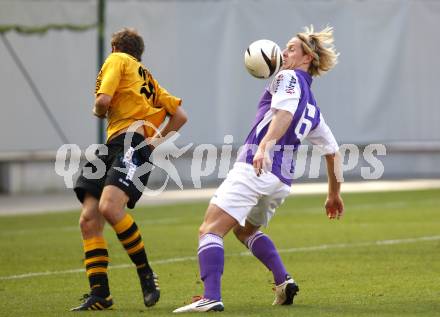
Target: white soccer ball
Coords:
[(263, 58)]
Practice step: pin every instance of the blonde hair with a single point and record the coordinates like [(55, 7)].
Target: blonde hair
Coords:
[(319, 45)]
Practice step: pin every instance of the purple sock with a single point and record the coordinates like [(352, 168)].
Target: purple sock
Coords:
[(211, 262), (264, 250)]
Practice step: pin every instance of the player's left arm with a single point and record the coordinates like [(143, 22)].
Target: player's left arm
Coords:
[(107, 83), (334, 205), (102, 103), (322, 137)]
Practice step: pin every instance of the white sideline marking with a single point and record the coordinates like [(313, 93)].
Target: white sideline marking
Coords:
[(194, 258)]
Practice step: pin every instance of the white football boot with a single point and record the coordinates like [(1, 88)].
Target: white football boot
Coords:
[(202, 305), (285, 292)]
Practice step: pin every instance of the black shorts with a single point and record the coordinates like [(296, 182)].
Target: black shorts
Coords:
[(124, 168)]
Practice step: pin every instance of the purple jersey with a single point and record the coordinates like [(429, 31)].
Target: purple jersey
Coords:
[(289, 91)]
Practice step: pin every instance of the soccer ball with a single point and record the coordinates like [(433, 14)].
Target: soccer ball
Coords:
[(263, 58)]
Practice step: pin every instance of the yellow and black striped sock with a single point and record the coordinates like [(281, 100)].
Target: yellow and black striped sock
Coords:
[(96, 262), (130, 237)]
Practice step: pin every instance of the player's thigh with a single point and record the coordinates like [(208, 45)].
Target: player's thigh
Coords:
[(91, 221), (112, 204), (217, 221)]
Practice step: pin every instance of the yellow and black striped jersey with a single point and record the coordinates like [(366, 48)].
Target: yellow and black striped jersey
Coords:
[(136, 95)]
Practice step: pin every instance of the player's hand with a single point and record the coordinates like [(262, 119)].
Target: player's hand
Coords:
[(334, 207), (99, 115), (261, 161), (154, 141)]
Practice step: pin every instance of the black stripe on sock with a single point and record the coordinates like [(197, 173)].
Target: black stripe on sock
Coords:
[(127, 233), (133, 243), (96, 264), (96, 252)]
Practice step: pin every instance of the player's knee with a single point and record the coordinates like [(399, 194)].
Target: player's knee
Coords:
[(106, 208), (207, 228), (87, 224), (237, 231), (202, 229), (240, 234), (83, 223)]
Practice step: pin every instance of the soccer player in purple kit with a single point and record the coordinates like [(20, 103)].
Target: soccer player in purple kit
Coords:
[(261, 178)]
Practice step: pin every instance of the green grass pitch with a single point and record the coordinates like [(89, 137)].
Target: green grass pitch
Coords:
[(340, 267)]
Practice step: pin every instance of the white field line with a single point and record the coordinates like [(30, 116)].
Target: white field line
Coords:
[(194, 258)]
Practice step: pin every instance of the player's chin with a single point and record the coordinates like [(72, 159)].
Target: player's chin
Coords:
[(285, 66)]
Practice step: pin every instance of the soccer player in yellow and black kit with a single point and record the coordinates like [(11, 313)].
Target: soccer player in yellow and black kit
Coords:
[(125, 93)]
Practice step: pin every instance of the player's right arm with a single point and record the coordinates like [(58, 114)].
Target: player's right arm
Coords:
[(176, 121), (286, 93), (172, 105), (277, 128)]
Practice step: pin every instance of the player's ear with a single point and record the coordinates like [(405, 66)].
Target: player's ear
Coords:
[(308, 58)]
